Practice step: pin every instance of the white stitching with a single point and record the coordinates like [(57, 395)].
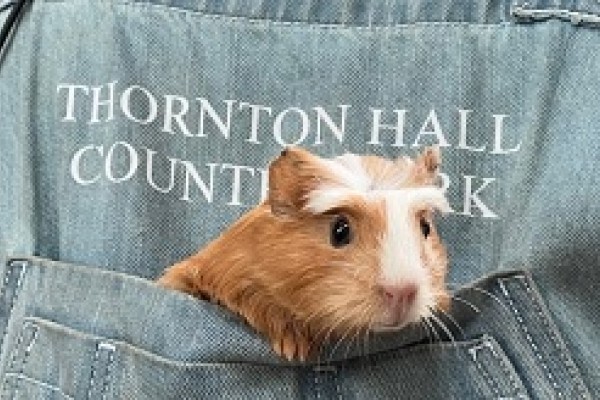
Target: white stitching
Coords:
[(338, 387), (529, 338), (93, 373), (39, 383), (9, 270), (26, 353), (304, 24), (569, 364), (328, 369), (491, 383), (13, 361), (33, 339), (7, 273), (111, 352), (317, 383), (94, 378), (489, 345), (511, 376)]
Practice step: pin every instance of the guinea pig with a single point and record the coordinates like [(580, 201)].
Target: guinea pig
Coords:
[(340, 246)]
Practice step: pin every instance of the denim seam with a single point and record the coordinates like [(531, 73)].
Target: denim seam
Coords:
[(505, 368), (16, 354), (491, 383), (94, 375), (555, 338), (529, 338), (304, 24), (111, 353), (39, 383), (338, 389), (191, 364), (13, 361), (492, 346), (317, 386), (13, 297), (511, 375), (26, 355), (332, 371)]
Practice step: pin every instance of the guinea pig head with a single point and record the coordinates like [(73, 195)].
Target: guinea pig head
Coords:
[(355, 247), (340, 247)]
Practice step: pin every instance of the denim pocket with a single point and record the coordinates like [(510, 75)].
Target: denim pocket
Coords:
[(475, 368), (73, 332), (51, 361)]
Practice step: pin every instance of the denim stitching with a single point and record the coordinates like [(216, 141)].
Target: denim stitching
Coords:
[(94, 376), (303, 24), (9, 272), (40, 384), (111, 351), (317, 384), (491, 383), (570, 366), (317, 370), (337, 387), (12, 363), (505, 368), (13, 297), (93, 373), (489, 344), (26, 354), (529, 338)]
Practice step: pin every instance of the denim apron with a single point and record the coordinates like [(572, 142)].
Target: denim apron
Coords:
[(134, 131)]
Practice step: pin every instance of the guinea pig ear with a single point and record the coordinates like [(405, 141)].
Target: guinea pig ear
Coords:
[(292, 176), (425, 167)]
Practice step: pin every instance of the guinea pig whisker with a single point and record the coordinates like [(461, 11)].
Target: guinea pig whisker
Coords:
[(434, 333), (364, 334), (444, 328), (423, 326), (477, 310), (454, 322), (341, 339), (351, 341), (326, 331)]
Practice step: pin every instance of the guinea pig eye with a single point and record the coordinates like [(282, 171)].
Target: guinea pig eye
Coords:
[(425, 228), (341, 234)]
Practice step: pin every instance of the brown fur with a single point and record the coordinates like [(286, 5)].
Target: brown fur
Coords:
[(276, 267)]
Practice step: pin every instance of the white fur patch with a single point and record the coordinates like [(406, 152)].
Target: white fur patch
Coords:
[(401, 263), (349, 172), (327, 198)]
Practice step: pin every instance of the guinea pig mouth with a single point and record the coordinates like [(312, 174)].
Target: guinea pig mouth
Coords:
[(392, 322), (398, 308)]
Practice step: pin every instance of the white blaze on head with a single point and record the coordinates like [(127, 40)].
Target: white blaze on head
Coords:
[(401, 263), (349, 172)]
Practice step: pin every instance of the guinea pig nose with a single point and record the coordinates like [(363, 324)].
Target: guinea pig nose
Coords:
[(400, 294)]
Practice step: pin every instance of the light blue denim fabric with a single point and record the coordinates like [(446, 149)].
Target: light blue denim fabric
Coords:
[(133, 132)]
